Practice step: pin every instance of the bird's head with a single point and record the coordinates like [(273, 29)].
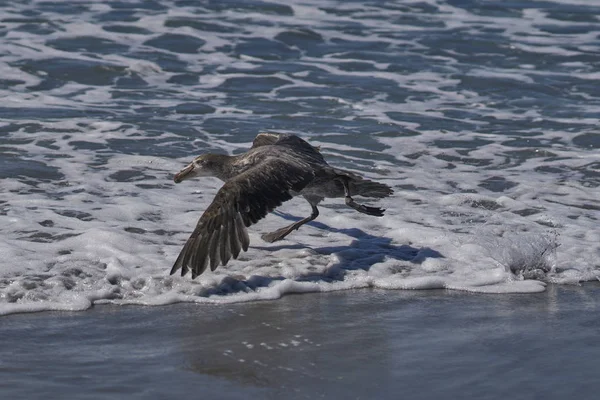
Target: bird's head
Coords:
[(203, 165)]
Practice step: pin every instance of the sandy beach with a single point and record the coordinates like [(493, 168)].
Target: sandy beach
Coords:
[(358, 344)]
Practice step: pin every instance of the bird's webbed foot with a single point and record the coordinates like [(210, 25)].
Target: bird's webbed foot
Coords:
[(375, 211), (277, 235)]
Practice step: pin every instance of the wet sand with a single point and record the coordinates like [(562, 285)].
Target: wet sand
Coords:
[(359, 344)]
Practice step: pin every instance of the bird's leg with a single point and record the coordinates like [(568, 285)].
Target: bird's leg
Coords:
[(283, 232), (375, 211)]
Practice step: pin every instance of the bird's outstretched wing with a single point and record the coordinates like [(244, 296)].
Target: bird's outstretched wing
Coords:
[(221, 231)]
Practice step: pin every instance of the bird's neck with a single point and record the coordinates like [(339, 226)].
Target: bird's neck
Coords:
[(220, 165)]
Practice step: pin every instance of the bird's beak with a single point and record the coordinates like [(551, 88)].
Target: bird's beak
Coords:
[(181, 175)]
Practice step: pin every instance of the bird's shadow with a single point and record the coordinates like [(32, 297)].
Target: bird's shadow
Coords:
[(362, 253)]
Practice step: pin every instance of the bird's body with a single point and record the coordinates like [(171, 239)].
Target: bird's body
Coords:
[(275, 169)]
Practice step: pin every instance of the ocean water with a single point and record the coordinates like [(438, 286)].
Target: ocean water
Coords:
[(482, 115)]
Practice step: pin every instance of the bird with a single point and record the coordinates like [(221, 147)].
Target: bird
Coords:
[(275, 169)]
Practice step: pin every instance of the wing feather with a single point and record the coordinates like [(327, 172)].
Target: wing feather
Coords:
[(221, 233), (243, 237), (234, 243), (199, 260), (224, 241), (213, 253)]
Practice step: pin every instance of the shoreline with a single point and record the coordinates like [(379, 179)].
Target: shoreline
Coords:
[(38, 308)]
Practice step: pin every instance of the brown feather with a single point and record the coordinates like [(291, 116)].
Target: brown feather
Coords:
[(243, 200)]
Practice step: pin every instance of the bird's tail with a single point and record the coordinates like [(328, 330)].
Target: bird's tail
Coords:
[(364, 187), (367, 188)]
